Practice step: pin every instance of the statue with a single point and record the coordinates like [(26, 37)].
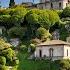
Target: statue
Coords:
[(56, 35)]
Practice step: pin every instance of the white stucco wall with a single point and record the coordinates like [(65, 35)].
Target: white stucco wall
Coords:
[(58, 51), (66, 47), (64, 3)]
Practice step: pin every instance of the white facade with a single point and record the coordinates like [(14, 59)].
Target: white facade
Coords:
[(52, 4), (65, 52), (60, 51)]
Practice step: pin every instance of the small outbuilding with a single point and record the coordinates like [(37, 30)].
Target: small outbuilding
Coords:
[(54, 49)]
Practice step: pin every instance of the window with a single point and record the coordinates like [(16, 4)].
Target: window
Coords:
[(67, 52), (66, 4), (45, 4), (68, 1), (45, 0), (41, 6), (59, 5), (51, 52), (51, 5), (40, 53)]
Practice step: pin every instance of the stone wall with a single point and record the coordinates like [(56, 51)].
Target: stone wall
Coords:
[(61, 4)]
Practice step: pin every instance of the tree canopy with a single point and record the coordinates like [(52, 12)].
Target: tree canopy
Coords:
[(42, 17), (66, 12)]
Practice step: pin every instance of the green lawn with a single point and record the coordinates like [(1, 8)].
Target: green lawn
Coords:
[(35, 65)]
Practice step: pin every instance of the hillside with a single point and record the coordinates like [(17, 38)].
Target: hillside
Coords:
[(33, 26)]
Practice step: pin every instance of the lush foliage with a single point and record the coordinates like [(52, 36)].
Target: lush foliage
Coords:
[(18, 32), (42, 18), (32, 26), (64, 64), (24, 23), (43, 34), (66, 12), (7, 55), (41, 64)]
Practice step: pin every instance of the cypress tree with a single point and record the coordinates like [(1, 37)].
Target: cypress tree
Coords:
[(12, 3)]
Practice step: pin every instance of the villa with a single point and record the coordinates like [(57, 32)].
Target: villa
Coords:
[(54, 49), (53, 4)]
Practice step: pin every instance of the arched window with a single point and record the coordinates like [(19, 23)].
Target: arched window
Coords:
[(67, 52), (51, 52), (51, 5), (40, 53), (59, 5)]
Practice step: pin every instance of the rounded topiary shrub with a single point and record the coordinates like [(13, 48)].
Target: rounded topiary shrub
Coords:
[(2, 60)]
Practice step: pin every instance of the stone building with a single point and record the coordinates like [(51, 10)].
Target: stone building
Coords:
[(29, 5), (53, 4), (54, 49)]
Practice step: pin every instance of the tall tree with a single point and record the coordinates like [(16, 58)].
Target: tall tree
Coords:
[(12, 3)]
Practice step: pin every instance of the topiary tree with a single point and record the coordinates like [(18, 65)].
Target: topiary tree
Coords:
[(43, 34)]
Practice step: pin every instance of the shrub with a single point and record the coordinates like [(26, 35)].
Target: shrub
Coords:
[(32, 48), (15, 68), (35, 41), (17, 32), (8, 53), (43, 34), (23, 48), (64, 65), (2, 60), (66, 12)]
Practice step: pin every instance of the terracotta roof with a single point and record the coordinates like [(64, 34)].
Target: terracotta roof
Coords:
[(53, 42)]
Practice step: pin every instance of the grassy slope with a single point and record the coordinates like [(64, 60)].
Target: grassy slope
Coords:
[(35, 65)]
